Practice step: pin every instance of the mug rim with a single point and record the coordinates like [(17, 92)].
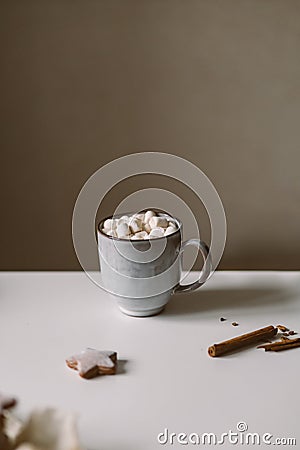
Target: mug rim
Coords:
[(157, 211)]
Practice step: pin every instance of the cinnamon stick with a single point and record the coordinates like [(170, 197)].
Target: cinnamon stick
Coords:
[(279, 348), (242, 341), (281, 345)]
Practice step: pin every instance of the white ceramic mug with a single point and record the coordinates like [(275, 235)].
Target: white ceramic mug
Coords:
[(142, 275)]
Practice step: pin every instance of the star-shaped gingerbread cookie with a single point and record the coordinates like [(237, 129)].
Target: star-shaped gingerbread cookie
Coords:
[(90, 363)]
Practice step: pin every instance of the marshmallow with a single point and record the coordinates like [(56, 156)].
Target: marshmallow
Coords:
[(147, 227), (172, 224), (140, 226), (123, 230), (156, 232), (123, 219), (135, 225), (148, 216), (110, 224), (169, 230), (140, 216), (140, 235), (110, 233), (156, 221)]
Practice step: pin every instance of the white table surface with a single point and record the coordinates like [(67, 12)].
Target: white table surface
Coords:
[(168, 379)]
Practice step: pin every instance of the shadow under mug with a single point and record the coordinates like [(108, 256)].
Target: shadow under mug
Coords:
[(142, 275)]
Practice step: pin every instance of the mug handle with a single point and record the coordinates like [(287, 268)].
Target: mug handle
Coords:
[(206, 269)]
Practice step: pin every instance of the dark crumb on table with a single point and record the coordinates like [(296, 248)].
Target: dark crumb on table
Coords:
[(235, 324), (292, 332), (222, 319)]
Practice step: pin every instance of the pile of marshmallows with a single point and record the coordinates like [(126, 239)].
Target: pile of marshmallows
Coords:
[(140, 226)]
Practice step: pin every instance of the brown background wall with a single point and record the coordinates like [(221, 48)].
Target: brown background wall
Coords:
[(83, 82)]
